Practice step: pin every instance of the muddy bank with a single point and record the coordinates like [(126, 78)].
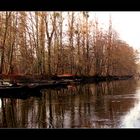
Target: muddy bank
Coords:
[(90, 79), (106, 78), (59, 78)]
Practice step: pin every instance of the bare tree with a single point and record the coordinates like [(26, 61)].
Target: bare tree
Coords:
[(7, 16)]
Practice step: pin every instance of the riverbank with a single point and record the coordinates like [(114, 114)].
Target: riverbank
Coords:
[(65, 78), (23, 89), (97, 79), (91, 79)]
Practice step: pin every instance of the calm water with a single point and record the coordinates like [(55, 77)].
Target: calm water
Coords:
[(105, 105)]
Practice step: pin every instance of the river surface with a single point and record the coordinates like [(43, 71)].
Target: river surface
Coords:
[(113, 104)]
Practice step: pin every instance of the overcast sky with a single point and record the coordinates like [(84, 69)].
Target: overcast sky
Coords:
[(127, 24)]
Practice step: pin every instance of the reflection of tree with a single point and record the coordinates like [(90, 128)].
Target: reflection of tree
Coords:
[(13, 112), (90, 105), (72, 114), (50, 110), (80, 107), (59, 111), (4, 121), (9, 113), (42, 112), (99, 103), (24, 113), (113, 104)]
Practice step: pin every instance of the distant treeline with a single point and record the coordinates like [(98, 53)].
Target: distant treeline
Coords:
[(52, 43)]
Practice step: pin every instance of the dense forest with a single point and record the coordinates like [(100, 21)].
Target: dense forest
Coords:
[(50, 43)]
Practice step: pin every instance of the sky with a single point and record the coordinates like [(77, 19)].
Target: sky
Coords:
[(127, 24)]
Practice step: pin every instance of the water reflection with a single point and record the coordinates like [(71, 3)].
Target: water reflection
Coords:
[(102, 105), (132, 117)]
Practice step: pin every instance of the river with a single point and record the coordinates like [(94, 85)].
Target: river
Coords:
[(113, 104)]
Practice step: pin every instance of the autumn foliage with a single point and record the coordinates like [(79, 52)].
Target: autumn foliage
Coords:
[(55, 43)]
